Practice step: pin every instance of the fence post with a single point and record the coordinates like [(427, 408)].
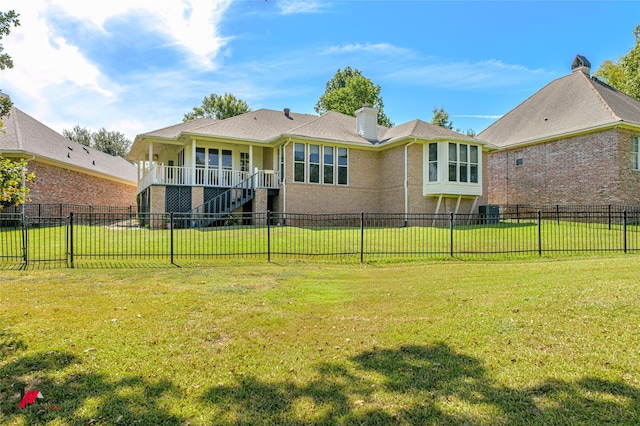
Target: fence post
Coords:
[(451, 233), (70, 242), (269, 236), (624, 230), (25, 240), (609, 216), (539, 233), (361, 237), (171, 238)]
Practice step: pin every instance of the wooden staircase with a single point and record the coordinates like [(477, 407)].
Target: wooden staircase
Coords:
[(223, 204)]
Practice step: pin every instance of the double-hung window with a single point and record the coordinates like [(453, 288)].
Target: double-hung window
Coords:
[(343, 166), (299, 150), (328, 167), (314, 163), (322, 164), (635, 153), (463, 163), (433, 162)]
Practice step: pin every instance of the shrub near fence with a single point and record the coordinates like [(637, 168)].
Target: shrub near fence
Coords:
[(94, 239)]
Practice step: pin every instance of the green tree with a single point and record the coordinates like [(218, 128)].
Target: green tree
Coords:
[(348, 91), (79, 134), (13, 179), (441, 118), (7, 20), (218, 107), (624, 74), (110, 142), (113, 143)]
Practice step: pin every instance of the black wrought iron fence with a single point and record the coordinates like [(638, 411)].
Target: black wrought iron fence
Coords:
[(120, 239)]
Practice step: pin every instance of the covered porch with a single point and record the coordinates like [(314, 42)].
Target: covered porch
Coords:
[(200, 163), (161, 174)]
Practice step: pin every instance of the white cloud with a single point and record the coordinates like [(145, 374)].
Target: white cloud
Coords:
[(379, 48), (54, 80), (292, 7), (466, 75), (42, 59)]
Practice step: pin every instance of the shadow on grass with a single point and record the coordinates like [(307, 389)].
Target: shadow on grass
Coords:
[(78, 398), (421, 385)]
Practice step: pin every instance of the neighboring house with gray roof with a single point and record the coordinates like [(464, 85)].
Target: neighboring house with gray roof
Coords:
[(66, 171), (573, 142), (300, 163)]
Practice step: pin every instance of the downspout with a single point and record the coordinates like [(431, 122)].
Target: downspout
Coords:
[(406, 180), (283, 178), (506, 177)]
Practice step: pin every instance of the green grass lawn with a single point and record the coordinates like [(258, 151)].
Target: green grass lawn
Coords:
[(534, 341)]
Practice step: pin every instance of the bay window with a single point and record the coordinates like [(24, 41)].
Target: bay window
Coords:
[(463, 163)]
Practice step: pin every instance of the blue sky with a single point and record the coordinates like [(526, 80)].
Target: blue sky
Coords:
[(138, 65)]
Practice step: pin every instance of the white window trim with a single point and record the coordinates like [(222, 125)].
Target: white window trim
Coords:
[(336, 166)]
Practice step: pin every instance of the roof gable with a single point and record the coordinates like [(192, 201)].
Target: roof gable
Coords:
[(570, 104), (421, 130)]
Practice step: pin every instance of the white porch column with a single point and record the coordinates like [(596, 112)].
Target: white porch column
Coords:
[(192, 180), (250, 157)]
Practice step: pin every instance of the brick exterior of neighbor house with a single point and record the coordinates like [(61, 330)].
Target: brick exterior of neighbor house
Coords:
[(585, 169), (58, 185), (66, 172), (569, 143)]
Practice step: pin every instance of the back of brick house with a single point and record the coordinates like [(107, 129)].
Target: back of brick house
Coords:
[(66, 171), (573, 142)]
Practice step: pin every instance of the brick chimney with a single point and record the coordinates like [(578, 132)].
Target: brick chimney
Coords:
[(367, 122)]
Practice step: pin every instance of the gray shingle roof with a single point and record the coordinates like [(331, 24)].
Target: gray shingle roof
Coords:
[(573, 103), (27, 137), (422, 130), (264, 126)]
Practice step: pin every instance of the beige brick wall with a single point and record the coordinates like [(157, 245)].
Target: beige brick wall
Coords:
[(360, 195), (197, 196), (158, 199), (56, 185), (391, 182), (376, 184), (586, 169)]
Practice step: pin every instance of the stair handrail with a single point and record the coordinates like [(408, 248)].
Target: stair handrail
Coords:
[(247, 184)]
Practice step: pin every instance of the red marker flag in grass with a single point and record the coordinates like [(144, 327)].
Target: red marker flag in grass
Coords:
[(29, 398)]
